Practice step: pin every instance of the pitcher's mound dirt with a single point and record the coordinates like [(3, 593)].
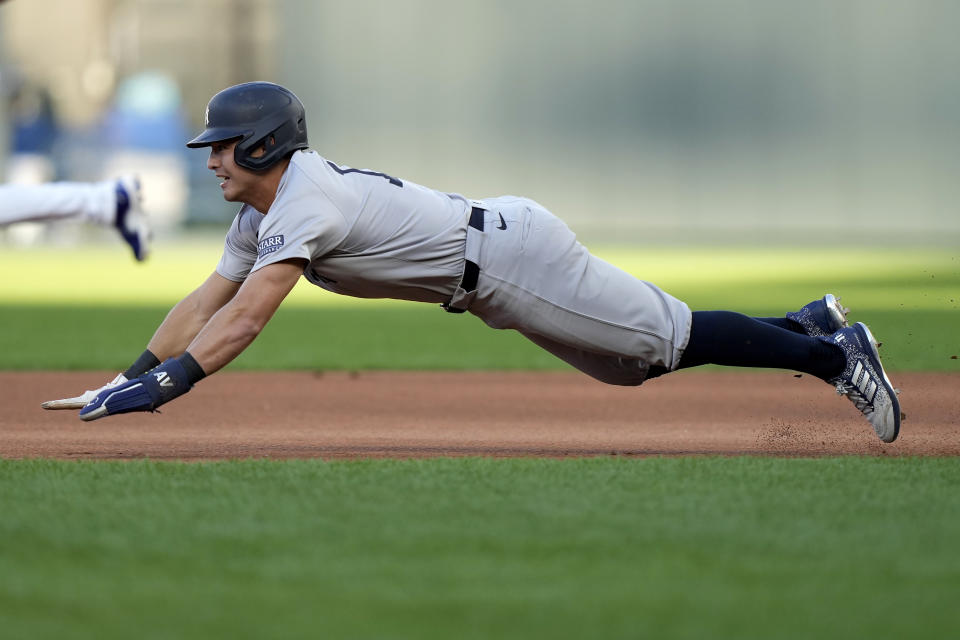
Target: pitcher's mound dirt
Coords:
[(411, 415)]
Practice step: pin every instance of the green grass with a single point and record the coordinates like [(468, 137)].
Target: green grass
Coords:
[(481, 548), (378, 337), (92, 309)]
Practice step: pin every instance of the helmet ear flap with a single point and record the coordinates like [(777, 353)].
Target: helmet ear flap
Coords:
[(267, 143), (260, 153), (246, 153)]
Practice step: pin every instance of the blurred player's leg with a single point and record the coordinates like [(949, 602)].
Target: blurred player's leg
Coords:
[(115, 203), (95, 202), (129, 218)]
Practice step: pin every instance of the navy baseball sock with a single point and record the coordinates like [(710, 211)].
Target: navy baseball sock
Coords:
[(195, 372), (736, 340), (784, 323), (144, 363)]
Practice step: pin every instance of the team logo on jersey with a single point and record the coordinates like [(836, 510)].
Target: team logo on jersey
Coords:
[(269, 245)]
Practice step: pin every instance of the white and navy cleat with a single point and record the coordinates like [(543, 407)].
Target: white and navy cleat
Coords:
[(865, 382), (821, 318), (131, 221)]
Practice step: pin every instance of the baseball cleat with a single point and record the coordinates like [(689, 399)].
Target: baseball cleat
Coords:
[(131, 221), (865, 382), (821, 318)]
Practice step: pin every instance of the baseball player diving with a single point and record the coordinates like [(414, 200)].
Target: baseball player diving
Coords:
[(505, 259)]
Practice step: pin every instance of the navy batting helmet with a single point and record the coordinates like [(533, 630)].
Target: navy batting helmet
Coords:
[(260, 114)]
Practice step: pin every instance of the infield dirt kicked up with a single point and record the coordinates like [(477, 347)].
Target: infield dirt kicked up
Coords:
[(340, 415)]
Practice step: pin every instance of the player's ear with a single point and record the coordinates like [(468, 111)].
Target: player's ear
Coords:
[(261, 150)]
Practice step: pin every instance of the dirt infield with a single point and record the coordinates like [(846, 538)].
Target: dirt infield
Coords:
[(413, 415)]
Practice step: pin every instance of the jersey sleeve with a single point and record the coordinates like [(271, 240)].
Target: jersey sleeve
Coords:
[(239, 247), (299, 229)]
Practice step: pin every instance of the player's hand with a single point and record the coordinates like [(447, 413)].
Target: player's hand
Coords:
[(154, 388), (80, 401)]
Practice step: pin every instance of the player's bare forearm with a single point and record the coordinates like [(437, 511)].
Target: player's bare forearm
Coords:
[(171, 338), (234, 327), (222, 338), (190, 315)]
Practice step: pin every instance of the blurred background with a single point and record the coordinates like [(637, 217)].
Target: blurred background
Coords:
[(640, 121)]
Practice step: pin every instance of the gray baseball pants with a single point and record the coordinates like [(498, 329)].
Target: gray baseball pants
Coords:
[(536, 277)]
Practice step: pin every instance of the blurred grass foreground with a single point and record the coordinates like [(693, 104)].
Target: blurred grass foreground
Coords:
[(92, 308)]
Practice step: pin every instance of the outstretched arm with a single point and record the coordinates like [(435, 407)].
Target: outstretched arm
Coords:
[(190, 315), (227, 333), (235, 326), (171, 338)]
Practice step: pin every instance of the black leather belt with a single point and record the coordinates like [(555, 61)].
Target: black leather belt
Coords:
[(471, 270)]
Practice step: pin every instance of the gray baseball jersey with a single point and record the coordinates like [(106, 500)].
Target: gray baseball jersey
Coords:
[(367, 234), (364, 234)]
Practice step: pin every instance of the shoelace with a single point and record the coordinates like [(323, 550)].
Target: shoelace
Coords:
[(856, 397)]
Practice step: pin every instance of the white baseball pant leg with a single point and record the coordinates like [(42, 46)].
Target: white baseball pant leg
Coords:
[(91, 201)]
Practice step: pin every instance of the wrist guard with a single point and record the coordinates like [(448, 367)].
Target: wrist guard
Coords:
[(158, 386)]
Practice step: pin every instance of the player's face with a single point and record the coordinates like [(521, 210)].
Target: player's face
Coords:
[(237, 182)]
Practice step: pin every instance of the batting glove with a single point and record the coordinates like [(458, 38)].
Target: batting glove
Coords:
[(154, 388), (82, 400)]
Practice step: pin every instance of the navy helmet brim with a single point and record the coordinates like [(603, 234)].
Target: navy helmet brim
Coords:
[(217, 134)]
